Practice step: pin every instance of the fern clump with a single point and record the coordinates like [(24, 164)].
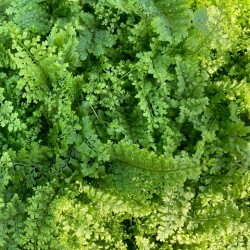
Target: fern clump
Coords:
[(124, 124)]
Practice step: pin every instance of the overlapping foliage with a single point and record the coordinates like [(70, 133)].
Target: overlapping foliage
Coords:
[(124, 124)]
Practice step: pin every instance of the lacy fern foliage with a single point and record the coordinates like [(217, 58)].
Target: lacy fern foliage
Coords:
[(124, 124)]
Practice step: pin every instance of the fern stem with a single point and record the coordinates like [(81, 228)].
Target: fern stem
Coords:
[(150, 169)]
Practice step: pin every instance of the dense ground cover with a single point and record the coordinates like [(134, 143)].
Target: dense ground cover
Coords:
[(124, 124)]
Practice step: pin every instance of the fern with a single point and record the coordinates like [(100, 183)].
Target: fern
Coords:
[(8, 118), (36, 16), (124, 124)]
